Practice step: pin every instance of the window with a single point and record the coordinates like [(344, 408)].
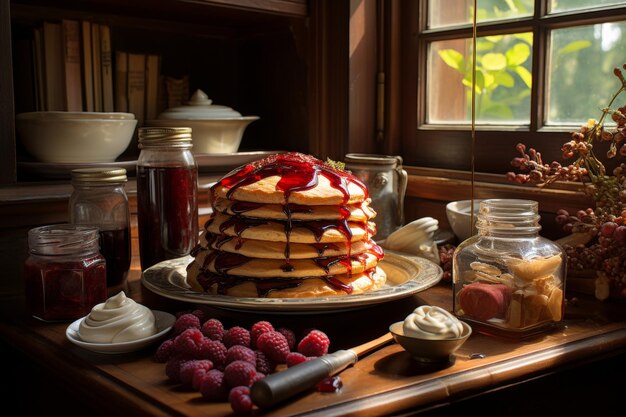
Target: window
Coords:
[(543, 68)]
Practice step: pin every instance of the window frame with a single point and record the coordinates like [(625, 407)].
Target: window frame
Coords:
[(450, 146)]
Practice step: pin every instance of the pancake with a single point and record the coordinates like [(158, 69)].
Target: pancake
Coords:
[(329, 286), (317, 231), (220, 262), (281, 250), (291, 178), (361, 212), (288, 226)]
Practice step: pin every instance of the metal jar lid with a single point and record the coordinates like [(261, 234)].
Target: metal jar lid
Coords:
[(165, 136), (99, 175)]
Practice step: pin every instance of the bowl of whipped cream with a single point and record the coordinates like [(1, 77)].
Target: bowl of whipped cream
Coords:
[(119, 325), (431, 334)]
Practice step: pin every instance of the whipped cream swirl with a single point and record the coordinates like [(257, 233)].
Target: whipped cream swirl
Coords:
[(118, 319), (432, 322)]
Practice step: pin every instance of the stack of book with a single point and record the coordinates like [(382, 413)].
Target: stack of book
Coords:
[(75, 69)]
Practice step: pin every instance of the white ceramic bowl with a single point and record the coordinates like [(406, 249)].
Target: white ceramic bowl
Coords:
[(458, 214), (211, 135), (65, 140), (75, 115)]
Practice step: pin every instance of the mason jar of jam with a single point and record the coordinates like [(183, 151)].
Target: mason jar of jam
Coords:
[(508, 280), (99, 199), (65, 273), (167, 194)]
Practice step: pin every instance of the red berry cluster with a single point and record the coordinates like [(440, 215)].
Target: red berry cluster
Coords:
[(445, 260), (222, 364)]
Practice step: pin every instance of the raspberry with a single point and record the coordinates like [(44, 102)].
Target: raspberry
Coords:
[(289, 335), (188, 369), (212, 386), (239, 373), (294, 358), (315, 343), (240, 401), (213, 329), (257, 377), (197, 378), (188, 342), (263, 363), (165, 351), (214, 351), (200, 314), (186, 321), (237, 336), (257, 329), (240, 353), (172, 367), (274, 345)]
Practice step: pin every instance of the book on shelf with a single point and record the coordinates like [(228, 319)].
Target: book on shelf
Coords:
[(152, 85), (121, 81), (87, 66), (38, 59), (70, 30), (97, 66), (107, 68), (53, 66), (136, 86), (24, 78)]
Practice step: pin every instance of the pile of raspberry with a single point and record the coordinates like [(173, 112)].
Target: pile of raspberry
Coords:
[(222, 364)]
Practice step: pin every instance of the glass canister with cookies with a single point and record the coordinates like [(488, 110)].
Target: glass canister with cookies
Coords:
[(509, 280)]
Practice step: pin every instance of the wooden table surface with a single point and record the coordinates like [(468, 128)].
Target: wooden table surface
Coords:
[(385, 382)]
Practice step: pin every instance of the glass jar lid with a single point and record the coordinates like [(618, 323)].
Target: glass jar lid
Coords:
[(99, 175), (179, 137), (200, 107)]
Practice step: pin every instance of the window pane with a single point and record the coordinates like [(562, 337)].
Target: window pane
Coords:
[(580, 73), (443, 13), (557, 6), (503, 80)]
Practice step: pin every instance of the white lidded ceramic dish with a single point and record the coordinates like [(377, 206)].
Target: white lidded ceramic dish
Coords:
[(215, 129)]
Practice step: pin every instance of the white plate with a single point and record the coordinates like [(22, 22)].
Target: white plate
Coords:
[(406, 275), (224, 162), (164, 322), (50, 171)]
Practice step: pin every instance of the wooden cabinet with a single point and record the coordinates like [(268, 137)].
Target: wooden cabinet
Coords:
[(286, 61)]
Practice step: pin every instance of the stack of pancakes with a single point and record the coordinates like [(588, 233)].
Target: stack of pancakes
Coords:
[(288, 226)]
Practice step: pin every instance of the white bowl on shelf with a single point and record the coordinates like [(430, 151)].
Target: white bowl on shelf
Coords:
[(65, 139), (459, 214), (214, 129)]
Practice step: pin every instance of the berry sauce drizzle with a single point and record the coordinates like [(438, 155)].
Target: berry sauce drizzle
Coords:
[(298, 172)]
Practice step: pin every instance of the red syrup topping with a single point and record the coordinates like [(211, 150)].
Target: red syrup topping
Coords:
[(224, 261), (322, 247), (336, 284), (298, 172), (240, 207)]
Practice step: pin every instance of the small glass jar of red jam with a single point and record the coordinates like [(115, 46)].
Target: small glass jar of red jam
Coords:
[(167, 194), (65, 273), (99, 199)]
